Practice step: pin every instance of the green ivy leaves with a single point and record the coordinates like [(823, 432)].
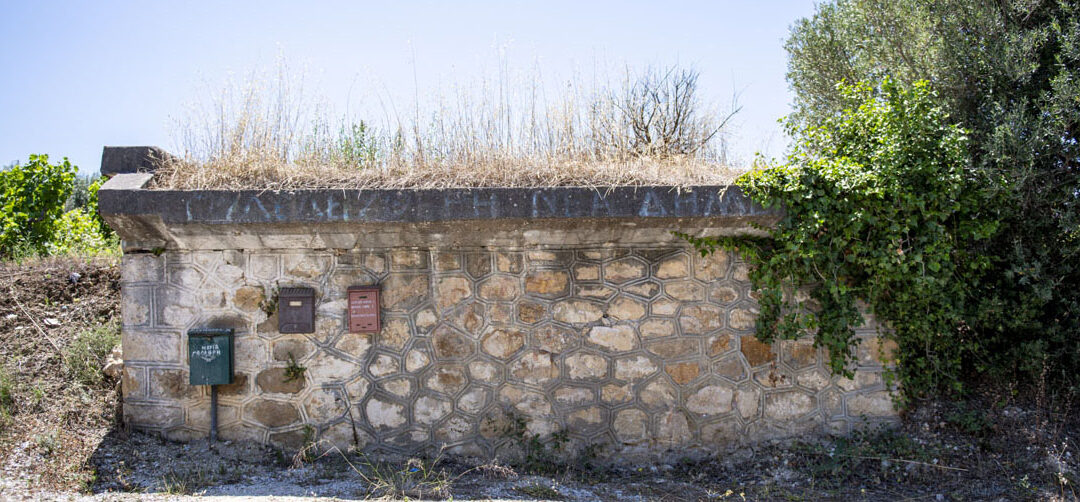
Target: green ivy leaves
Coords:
[(876, 209)]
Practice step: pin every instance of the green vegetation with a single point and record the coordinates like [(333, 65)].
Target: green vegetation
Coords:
[(294, 371), (85, 355), (416, 478), (48, 210), (539, 491), (33, 198), (7, 396), (952, 208), (876, 208)]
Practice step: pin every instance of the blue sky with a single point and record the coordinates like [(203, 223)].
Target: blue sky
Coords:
[(80, 75)]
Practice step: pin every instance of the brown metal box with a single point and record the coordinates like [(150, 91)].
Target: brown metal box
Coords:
[(364, 309), (296, 310)]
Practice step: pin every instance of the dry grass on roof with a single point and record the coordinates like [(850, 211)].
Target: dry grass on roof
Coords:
[(181, 175), (651, 130)]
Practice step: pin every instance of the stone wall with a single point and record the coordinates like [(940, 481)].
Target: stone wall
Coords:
[(563, 310), (638, 350)]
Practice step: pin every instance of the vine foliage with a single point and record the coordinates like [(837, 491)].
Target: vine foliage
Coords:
[(877, 208)]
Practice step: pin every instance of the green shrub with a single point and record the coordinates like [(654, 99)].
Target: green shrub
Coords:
[(33, 197), (78, 232), (877, 207), (1007, 72), (85, 355)]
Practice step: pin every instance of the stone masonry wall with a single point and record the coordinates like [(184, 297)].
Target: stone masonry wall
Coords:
[(635, 350)]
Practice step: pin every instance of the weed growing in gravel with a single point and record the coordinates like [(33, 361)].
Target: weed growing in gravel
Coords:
[(418, 478), (888, 451), (84, 356), (538, 455), (48, 442), (184, 483), (539, 491)]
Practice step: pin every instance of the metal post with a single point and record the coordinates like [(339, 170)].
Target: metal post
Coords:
[(213, 413)]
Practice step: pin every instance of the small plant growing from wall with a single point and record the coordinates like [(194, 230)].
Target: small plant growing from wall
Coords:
[(269, 305), (294, 371)]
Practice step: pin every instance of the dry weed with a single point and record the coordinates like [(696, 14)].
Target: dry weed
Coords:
[(651, 130)]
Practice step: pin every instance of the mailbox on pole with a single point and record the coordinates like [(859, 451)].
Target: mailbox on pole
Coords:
[(210, 362)]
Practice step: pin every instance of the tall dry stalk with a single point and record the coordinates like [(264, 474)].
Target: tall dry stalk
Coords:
[(651, 130)]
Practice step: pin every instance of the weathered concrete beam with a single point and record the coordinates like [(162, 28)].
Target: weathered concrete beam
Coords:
[(337, 218)]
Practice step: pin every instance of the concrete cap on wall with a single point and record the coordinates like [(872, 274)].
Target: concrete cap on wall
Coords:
[(130, 159), (564, 215)]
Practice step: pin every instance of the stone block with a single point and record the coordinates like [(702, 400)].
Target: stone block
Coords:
[(634, 368), (574, 396), (871, 404), (577, 311), (478, 264), (585, 366), (408, 259), (249, 298), (711, 400), (447, 261), (384, 414), (451, 290), (449, 344), (742, 319), (788, 405), (272, 413), (659, 394), (683, 373), (446, 379), (626, 309), (674, 348), (701, 319), (712, 267), (531, 312), (155, 346), (686, 291), (404, 291), (429, 410), (618, 338), (624, 270), (656, 328), (756, 353), (400, 387), (171, 384), (587, 272), (631, 426), (384, 365), (499, 288), (547, 283), (509, 262), (534, 367), (502, 343), (153, 416), (723, 293), (673, 268), (142, 267)]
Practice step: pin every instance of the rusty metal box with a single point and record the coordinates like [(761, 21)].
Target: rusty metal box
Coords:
[(296, 310), (364, 309)]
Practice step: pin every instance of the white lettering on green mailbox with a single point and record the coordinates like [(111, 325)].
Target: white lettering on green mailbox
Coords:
[(210, 356)]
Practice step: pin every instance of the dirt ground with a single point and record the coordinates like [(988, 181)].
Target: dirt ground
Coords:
[(61, 439)]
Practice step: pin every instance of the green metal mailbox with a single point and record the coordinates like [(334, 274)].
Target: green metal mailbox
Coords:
[(210, 356)]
